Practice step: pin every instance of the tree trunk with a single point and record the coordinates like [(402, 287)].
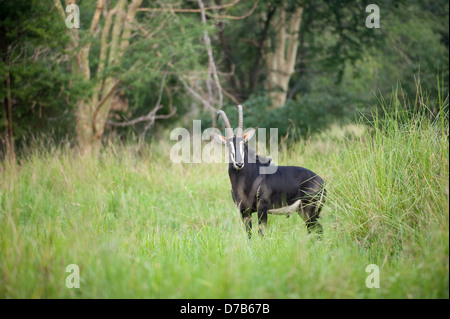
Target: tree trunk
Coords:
[(10, 149), (92, 112), (281, 56), (85, 135), (9, 135)]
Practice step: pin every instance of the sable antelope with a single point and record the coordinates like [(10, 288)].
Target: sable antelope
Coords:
[(290, 189)]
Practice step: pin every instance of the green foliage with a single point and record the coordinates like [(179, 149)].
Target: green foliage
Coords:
[(43, 91), (341, 65), (297, 119), (34, 21), (348, 67), (415, 44), (171, 46)]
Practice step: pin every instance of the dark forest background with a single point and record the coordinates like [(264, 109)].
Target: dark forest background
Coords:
[(136, 68)]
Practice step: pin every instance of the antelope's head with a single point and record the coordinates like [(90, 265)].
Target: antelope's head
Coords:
[(236, 143)]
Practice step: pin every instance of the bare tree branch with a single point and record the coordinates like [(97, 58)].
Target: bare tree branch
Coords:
[(104, 42), (145, 118), (129, 18), (151, 117), (227, 5), (212, 65), (148, 34), (96, 18), (231, 97), (60, 9), (197, 95), (255, 5)]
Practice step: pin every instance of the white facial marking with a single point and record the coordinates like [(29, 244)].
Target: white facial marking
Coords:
[(232, 154), (241, 148)]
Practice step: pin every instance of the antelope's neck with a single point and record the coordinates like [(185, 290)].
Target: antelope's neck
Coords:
[(244, 180)]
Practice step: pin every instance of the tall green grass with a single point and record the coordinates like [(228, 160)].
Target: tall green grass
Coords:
[(140, 226)]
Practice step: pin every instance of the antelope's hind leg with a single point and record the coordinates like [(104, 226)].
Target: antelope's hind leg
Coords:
[(310, 214)]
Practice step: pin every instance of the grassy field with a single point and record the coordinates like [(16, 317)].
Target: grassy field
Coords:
[(140, 226)]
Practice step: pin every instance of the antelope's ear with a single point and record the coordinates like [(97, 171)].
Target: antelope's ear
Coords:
[(249, 134), (219, 138)]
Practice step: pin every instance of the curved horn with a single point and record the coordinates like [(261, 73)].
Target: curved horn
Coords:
[(240, 122), (229, 130)]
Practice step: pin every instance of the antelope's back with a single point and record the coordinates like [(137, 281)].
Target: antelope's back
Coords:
[(290, 183)]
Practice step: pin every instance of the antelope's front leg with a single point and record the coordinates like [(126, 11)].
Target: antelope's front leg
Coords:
[(262, 218), (247, 219)]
